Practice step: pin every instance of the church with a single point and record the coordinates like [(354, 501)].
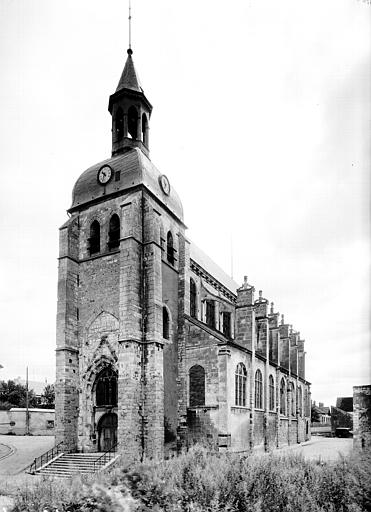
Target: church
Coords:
[(157, 347)]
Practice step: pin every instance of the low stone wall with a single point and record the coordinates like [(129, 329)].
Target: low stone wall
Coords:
[(41, 422)]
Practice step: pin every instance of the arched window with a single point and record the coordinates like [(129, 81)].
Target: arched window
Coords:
[(192, 298), (240, 385), (283, 397), (271, 393), (114, 232), (106, 388), (258, 390), (144, 129), (165, 323), (293, 399), (132, 122), (210, 313), (119, 123), (300, 401), (196, 386), (94, 239), (170, 248), (306, 403)]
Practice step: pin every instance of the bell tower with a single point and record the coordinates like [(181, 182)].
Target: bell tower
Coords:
[(130, 111)]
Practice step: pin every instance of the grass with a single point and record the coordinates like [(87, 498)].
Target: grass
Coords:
[(198, 481)]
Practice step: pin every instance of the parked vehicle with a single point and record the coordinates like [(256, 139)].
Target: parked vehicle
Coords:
[(343, 432)]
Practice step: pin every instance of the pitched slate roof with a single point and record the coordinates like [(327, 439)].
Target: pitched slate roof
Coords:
[(212, 268), (345, 403), (129, 78), (323, 410)]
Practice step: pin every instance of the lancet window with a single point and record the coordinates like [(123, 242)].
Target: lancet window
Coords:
[(240, 385)]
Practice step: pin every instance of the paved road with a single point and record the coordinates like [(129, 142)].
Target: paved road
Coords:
[(321, 448), (16, 452)]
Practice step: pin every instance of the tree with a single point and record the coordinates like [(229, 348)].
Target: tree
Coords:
[(13, 394), (48, 396)]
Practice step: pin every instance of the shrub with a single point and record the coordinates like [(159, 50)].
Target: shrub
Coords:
[(198, 481)]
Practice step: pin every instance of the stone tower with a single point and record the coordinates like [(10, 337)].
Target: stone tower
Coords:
[(121, 270)]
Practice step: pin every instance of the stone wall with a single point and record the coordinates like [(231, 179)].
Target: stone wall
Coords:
[(362, 417), (41, 422)]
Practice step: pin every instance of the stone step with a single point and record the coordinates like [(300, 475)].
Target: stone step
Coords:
[(70, 464)]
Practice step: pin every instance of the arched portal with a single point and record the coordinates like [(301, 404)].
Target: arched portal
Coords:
[(107, 432)]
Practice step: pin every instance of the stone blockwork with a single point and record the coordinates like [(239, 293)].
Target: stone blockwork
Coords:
[(158, 348), (362, 417)]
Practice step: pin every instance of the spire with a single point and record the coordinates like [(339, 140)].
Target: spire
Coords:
[(129, 78), (130, 109)]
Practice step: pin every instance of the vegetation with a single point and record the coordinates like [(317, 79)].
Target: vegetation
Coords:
[(201, 482), (48, 397), (13, 394)]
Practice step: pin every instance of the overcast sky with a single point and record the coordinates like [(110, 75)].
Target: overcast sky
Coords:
[(261, 122)]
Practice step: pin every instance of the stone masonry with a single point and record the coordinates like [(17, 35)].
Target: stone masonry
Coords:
[(157, 348), (362, 417)]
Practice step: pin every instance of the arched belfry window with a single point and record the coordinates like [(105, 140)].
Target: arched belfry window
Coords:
[(258, 390), (240, 385), (106, 388), (119, 123), (114, 232), (196, 386), (170, 248), (192, 298), (132, 122), (94, 238), (144, 130), (283, 397), (165, 323)]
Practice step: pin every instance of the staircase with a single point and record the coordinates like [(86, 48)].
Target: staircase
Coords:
[(70, 464)]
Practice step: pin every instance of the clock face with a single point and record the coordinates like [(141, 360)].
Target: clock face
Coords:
[(104, 174), (165, 185)]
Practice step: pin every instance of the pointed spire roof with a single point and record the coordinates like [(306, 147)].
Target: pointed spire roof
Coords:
[(129, 78)]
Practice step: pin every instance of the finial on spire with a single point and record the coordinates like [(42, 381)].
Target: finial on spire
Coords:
[(130, 51)]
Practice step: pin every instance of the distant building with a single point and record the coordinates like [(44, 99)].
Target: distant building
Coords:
[(40, 422), (342, 414), (324, 413), (345, 403)]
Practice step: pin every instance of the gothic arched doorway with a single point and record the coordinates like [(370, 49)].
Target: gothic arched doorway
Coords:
[(107, 432)]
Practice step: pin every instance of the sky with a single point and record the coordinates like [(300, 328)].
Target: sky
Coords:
[(261, 122)]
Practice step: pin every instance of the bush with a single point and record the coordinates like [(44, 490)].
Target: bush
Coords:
[(198, 481)]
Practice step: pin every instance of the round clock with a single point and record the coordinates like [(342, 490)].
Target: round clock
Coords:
[(165, 185), (104, 174)]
